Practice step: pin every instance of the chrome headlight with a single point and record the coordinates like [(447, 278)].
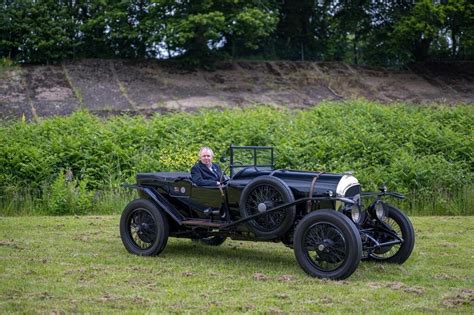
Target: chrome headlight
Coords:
[(356, 214), (380, 210)]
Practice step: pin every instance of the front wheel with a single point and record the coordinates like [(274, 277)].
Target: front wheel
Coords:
[(144, 228), (327, 245), (399, 223)]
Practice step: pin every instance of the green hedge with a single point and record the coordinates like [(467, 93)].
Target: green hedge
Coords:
[(425, 152)]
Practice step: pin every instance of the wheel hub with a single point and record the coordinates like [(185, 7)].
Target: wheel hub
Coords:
[(142, 227), (143, 231), (325, 246), (262, 207), (325, 251)]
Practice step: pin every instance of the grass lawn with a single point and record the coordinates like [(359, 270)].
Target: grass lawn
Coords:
[(78, 264)]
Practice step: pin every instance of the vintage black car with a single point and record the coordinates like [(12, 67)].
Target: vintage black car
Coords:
[(326, 218)]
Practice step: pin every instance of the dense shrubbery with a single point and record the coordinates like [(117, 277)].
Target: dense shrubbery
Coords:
[(425, 152)]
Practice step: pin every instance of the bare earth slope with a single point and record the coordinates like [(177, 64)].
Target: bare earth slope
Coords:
[(108, 87)]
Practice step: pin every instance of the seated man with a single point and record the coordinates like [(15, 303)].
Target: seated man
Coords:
[(204, 172)]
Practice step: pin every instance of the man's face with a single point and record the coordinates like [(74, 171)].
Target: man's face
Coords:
[(206, 157)]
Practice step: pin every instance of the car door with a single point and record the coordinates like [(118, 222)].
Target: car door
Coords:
[(206, 197)]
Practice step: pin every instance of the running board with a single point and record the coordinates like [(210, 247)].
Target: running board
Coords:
[(203, 223)]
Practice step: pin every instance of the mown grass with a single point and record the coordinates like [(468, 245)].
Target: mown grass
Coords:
[(78, 264)]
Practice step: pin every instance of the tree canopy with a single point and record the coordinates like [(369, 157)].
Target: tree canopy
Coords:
[(373, 32)]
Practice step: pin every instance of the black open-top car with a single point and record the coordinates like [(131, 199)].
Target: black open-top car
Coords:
[(322, 216)]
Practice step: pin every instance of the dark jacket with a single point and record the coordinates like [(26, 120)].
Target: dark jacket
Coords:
[(201, 175)]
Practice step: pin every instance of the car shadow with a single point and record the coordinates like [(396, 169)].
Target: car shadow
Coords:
[(236, 253)]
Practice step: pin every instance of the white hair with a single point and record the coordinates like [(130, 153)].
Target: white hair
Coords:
[(206, 149)]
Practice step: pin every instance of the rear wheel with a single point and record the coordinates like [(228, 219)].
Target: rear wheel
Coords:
[(143, 228), (327, 245), (262, 194), (399, 223)]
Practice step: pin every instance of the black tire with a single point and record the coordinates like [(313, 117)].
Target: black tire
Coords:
[(399, 253), (211, 240), (144, 228), (327, 245), (267, 192)]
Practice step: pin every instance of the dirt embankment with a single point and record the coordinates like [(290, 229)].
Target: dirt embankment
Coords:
[(108, 87)]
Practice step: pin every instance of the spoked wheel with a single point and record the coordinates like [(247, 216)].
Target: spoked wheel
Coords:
[(327, 245), (399, 224), (262, 198), (262, 194), (211, 240), (143, 228)]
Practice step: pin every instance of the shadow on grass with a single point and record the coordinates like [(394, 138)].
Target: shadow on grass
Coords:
[(237, 254)]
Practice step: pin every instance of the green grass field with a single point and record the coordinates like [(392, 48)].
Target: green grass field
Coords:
[(78, 264)]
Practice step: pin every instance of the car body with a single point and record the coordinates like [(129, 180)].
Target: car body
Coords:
[(320, 215)]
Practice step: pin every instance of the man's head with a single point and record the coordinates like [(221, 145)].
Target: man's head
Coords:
[(206, 155)]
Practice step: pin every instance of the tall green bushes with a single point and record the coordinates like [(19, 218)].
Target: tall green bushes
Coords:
[(66, 195), (425, 152)]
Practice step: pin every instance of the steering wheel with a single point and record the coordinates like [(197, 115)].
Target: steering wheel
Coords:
[(224, 179)]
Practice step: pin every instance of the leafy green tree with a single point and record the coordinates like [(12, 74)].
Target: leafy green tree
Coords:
[(193, 28), (324, 30), (416, 32), (381, 48), (12, 27), (353, 22), (249, 27), (459, 24), (296, 34), (92, 28), (125, 30), (199, 29), (36, 31), (387, 33)]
